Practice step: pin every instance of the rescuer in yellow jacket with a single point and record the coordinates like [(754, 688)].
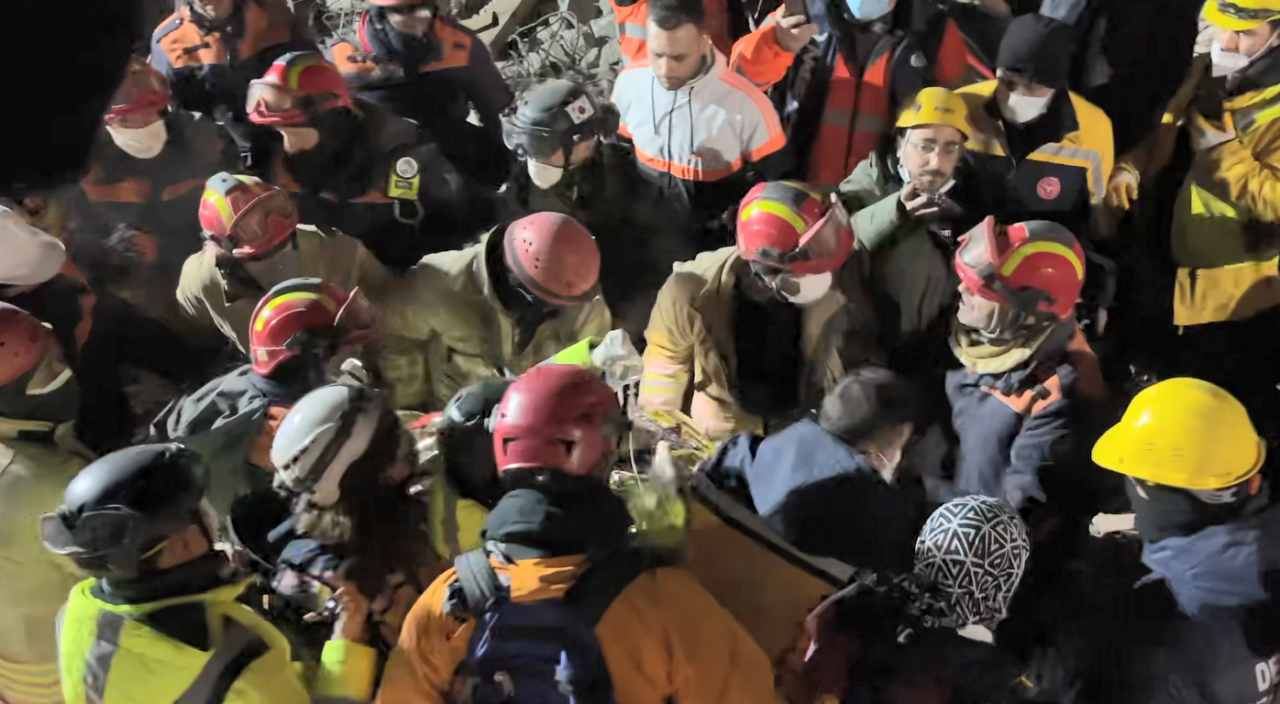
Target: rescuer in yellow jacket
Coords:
[(38, 456), (491, 310), (754, 328), (1225, 220), (161, 622)]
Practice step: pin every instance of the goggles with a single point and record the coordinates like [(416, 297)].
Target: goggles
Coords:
[(531, 142)]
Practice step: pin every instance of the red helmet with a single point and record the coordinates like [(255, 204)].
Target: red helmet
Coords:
[(299, 312), (557, 416), (245, 215), (143, 90), (24, 343), (554, 257), (296, 87), (787, 224), (1037, 265)]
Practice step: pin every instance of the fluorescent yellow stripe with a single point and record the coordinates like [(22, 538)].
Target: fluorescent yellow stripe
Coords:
[(772, 208), (1038, 247), (224, 208), (297, 68), (325, 301), (803, 186)]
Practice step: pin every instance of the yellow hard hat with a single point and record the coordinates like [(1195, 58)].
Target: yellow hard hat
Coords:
[(1183, 433), (1240, 15), (936, 106)]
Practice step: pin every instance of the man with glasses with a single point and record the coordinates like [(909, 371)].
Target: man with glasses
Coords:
[(902, 214), (427, 67)]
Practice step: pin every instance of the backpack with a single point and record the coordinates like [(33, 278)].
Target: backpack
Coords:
[(539, 652)]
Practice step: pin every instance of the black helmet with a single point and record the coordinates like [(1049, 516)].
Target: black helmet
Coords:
[(468, 444), (121, 507), (555, 115)]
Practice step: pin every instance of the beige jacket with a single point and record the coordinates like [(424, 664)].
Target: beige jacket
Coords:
[(690, 337), (338, 259), (444, 329)]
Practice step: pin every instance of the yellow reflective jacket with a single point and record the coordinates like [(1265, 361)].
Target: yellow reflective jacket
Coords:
[(1231, 193), (33, 581), (336, 258), (690, 337), (444, 329), (109, 655)]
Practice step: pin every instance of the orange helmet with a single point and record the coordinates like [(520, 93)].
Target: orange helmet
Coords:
[(553, 257), (246, 216), (295, 88), (1037, 266), (786, 224), (299, 315), (143, 90), (557, 416)]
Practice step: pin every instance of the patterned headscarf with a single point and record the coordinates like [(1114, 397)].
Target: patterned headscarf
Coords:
[(972, 552)]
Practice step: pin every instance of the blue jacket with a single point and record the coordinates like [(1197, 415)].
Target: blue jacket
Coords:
[(822, 496), (1014, 427)]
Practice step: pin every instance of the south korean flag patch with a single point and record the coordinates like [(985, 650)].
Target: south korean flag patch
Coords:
[(580, 110)]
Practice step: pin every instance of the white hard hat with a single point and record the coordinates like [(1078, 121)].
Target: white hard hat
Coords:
[(30, 256), (322, 435)]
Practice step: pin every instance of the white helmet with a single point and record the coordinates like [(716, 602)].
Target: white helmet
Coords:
[(30, 255), (323, 434)]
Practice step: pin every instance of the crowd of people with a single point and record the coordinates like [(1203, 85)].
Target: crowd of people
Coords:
[(955, 327)]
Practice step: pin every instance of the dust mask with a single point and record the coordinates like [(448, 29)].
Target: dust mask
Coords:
[(141, 143), (544, 176), (1021, 109), (811, 289), (866, 10), (1226, 63)]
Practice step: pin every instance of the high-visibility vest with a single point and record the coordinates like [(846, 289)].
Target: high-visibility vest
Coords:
[(857, 112)]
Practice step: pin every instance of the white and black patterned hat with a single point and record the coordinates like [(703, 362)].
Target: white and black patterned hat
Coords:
[(973, 551)]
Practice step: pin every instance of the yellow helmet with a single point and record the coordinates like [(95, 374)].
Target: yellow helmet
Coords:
[(936, 106), (1183, 433), (1241, 15)]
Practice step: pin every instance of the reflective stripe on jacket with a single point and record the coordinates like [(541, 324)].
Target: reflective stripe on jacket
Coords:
[(1229, 265), (690, 338), (708, 129), (445, 329), (109, 655)]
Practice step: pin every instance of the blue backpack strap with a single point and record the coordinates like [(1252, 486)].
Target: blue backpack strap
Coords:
[(481, 588)]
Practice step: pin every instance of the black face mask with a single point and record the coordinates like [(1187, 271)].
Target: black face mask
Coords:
[(1167, 512), (338, 164)]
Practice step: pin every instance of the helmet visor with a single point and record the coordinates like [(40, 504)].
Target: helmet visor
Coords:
[(823, 248), (269, 103), (977, 247), (95, 533), (530, 142), (263, 224)]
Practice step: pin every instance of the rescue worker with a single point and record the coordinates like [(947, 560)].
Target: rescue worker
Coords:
[(38, 402), (1028, 372), (298, 329), (1224, 220), (841, 91), (361, 170), (210, 50), (253, 242), (1204, 621), (571, 165), (930, 635), (491, 310), (831, 487), (162, 600), (755, 329), (694, 149), (1038, 150), (430, 68), (664, 638), (343, 458), (903, 216), (143, 191)]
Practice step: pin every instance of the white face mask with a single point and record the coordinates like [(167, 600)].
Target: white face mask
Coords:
[(544, 176), (867, 10), (1021, 109), (812, 288), (142, 143), (1226, 63)]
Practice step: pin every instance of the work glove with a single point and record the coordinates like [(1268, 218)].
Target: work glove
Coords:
[(1122, 188), (1206, 134)]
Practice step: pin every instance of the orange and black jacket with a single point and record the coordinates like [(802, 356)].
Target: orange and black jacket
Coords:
[(209, 68)]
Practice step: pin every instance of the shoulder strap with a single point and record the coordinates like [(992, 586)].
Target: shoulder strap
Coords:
[(239, 649), (481, 588), (605, 579)]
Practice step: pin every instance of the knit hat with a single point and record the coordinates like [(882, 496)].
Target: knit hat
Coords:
[(1038, 48)]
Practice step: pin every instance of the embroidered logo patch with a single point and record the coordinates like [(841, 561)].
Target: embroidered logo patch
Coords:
[(1049, 188)]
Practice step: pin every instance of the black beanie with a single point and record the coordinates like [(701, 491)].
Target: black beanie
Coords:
[(1039, 49)]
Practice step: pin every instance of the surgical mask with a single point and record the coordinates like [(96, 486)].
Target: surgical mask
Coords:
[(142, 143), (1228, 62), (544, 176), (1021, 109), (867, 10), (811, 289)]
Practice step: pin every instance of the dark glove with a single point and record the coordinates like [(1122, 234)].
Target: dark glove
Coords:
[(1049, 680)]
